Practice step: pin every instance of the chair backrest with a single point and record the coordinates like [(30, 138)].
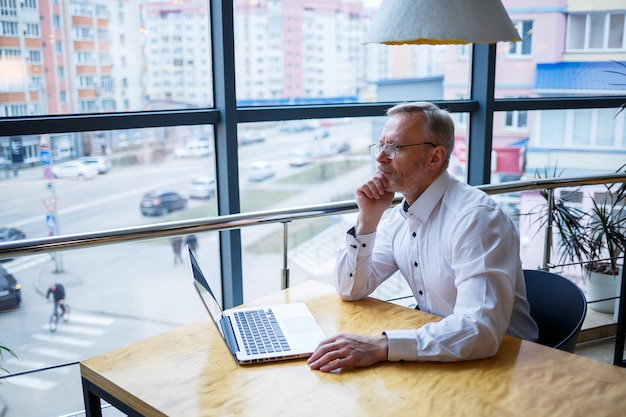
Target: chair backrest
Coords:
[(558, 306)]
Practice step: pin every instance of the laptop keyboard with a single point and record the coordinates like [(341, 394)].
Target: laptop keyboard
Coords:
[(260, 332)]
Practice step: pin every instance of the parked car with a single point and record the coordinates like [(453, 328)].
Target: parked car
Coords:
[(75, 169), (10, 290), (300, 158), (157, 203), (201, 187), (251, 136), (194, 149), (10, 234), (260, 171), (102, 163)]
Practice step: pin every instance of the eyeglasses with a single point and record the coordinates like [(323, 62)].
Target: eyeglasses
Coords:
[(390, 149)]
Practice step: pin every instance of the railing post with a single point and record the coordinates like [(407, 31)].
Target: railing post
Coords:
[(548, 238), (285, 274)]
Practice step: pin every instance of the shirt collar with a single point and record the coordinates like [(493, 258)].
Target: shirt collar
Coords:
[(425, 203)]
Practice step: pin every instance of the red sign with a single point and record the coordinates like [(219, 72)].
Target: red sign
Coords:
[(50, 203), (44, 142)]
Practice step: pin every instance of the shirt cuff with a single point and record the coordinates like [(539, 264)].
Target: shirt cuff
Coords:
[(363, 244), (402, 345)]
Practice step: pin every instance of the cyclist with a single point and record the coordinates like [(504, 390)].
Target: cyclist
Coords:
[(58, 293)]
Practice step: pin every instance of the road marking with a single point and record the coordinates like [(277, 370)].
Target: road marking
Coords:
[(55, 353), (31, 382), (26, 363), (64, 340), (23, 263), (32, 364), (87, 319), (68, 328)]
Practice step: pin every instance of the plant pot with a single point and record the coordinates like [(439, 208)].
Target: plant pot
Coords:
[(601, 286)]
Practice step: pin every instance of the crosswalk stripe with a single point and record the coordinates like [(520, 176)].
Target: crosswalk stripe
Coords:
[(54, 338), (55, 353), (31, 382), (88, 319), (68, 328), (32, 364), (26, 363)]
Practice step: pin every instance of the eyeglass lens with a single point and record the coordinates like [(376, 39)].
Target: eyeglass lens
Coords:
[(388, 149)]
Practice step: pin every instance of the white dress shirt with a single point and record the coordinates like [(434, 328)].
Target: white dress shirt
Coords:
[(459, 253)]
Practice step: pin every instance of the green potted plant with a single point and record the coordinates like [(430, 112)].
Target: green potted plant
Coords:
[(605, 237), (594, 239)]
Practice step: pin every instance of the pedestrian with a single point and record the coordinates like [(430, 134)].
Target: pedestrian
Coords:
[(454, 245), (192, 242), (177, 244)]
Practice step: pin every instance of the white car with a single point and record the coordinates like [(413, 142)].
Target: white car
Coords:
[(260, 171), (251, 136), (201, 187), (300, 158), (75, 169), (102, 163), (194, 149)]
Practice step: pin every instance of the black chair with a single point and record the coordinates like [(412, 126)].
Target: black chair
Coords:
[(558, 306)]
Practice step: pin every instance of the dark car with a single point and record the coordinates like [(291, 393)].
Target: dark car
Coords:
[(10, 234), (10, 290), (157, 203)]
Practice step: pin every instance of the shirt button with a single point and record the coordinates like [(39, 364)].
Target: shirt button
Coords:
[(354, 246), (420, 292), (350, 274), (364, 245), (415, 264), (414, 234)]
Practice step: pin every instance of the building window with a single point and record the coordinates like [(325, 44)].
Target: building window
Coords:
[(8, 8), (516, 120), (10, 54), (28, 4), (9, 29), (34, 56), (580, 128), (31, 30), (525, 31), (83, 33), (595, 31), (56, 21)]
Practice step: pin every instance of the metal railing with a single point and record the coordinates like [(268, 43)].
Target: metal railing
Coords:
[(284, 216)]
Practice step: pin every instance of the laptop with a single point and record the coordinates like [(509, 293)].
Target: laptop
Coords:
[(260, 334)]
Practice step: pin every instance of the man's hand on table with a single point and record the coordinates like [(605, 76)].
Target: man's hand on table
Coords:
[(348, 351)]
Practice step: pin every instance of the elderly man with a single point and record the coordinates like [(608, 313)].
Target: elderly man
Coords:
[(455, 247)]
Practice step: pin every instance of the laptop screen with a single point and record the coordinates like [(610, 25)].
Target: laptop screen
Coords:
[(210, 302)]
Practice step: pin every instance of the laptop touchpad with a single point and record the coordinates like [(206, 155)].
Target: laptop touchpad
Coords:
[(300, 325)]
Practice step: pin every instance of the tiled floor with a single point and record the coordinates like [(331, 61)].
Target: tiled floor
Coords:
[(601, 350), (598, 337)]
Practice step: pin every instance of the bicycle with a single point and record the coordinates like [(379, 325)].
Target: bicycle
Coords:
[(57, 315)]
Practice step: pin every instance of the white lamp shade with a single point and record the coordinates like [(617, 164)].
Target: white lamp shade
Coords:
[(436, 22)]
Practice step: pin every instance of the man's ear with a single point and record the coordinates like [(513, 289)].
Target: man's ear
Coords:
[(437, 157)]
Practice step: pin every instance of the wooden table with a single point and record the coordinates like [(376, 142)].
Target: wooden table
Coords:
[(189, 372)]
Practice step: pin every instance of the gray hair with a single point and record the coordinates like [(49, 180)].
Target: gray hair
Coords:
[(439, 126)]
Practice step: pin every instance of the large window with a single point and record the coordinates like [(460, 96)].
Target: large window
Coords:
[(596, 31), (284, 124)]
